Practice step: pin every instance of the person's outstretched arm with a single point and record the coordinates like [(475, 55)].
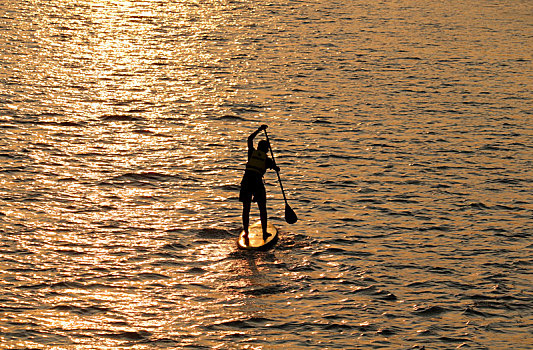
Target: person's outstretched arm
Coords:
[(254, 134)]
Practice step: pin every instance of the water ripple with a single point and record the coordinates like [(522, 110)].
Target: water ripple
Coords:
[(404, 144)]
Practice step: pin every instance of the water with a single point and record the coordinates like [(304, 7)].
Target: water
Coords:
[(404, 135)]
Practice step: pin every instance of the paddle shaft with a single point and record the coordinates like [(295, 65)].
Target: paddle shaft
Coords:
[(277, 172)]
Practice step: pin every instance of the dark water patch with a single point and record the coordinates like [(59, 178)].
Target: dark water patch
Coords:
[(372, 200), (456, 285), (213, 233), (348, 242), (441, 186), (521, 263), (330, 326), (231, 337), (471, 311), (136, 110), (146, 179), (82, 310), (341, 156), (174, 245), (215, 144), (397, 266), (196, 271), (230, 117), (455, 340), (71, 252), (58, 286), (399, 213), (94, 209), (429, 311), (63, 124), (148, 175), (230, 187), (67, 285), (375, 292), (321, 121), (494, 147), (16, 309), (508, 181), (405, 200), (438, 228), (115, 224), (388, 332), (128, 335), (500, 302), (150, 276), (259, 291), (440, 270), (144, 132), (239, 324), (367, 190), (508, 207), (478, 205), (43, 338), (119, 118), (8, 155), (382, 145), (340, 327)]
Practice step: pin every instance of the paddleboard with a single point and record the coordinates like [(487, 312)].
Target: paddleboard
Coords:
[(255, 237)]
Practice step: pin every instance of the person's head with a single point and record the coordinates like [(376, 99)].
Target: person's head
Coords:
[(263, 146)]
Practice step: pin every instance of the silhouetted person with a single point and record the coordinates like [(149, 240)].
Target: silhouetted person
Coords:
[(252, 186)]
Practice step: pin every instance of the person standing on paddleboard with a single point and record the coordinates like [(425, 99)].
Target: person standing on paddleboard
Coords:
[(252, 186)]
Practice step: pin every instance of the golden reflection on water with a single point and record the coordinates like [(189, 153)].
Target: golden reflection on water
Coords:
[(125, 186)]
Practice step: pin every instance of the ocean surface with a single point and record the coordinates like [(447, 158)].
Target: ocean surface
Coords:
[(404, 133)]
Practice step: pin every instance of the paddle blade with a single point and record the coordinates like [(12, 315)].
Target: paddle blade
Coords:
[(290, 215)]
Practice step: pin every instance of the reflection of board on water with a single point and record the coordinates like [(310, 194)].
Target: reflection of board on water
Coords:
[(255, 237)]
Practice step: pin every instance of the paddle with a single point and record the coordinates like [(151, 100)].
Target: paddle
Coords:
[(290, 215)]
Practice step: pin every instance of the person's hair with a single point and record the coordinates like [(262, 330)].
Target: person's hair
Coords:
[(263, 145)]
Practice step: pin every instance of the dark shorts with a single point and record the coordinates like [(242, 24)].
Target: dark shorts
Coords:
[(252, 185)]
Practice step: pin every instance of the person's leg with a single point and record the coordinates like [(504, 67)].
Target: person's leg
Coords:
[(245, 196), (260, 196), (246, 216), (264, 218)]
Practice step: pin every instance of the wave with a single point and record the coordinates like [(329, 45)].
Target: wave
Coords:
[(119, 118), (147, 178)]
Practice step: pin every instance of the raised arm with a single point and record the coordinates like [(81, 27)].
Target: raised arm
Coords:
[(254, 134)]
